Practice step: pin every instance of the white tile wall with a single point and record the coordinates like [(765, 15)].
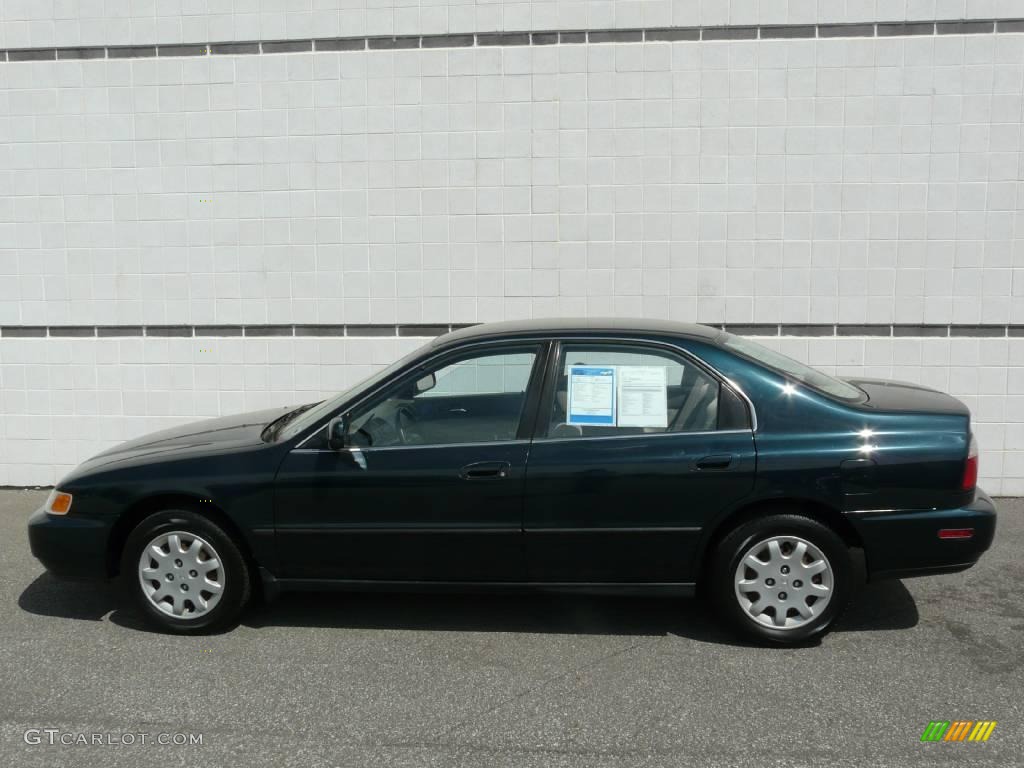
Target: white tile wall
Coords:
[(63, 400), (34, 23), (823, 181), (873, 180)]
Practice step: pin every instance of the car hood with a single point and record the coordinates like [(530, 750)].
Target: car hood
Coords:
[(226, 432), (902, 396)]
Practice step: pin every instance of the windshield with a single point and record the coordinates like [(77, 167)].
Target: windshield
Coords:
[(787, 365), (319, 411)]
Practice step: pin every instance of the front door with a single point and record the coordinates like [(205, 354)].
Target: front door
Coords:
[(637, 449), (432, 487)]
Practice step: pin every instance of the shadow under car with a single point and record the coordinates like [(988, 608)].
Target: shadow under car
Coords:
[(880, 606)]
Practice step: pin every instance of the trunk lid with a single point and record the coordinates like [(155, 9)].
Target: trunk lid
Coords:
[(918, 444), (904, 397)]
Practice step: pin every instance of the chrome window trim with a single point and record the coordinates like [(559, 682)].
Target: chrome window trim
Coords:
[(440, 353), (648, 434), (371, 449), (739, 391)]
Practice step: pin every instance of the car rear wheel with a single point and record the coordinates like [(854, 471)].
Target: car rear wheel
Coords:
[(185, 573), (782, 578)]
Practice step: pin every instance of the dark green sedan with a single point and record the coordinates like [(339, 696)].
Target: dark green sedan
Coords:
[(599, 455)]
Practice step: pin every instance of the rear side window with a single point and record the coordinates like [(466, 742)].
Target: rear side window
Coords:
[(622, 389)]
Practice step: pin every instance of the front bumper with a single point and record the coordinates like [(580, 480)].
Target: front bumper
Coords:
[(904, 543), (69, 547)]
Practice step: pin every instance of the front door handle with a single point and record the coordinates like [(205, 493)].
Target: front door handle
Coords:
[(483, 470), (715, 461)]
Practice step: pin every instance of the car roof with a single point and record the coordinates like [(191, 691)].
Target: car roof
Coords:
[(562, 326)]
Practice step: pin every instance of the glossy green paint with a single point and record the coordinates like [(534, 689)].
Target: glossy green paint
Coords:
[(905, 459), (634, 510)]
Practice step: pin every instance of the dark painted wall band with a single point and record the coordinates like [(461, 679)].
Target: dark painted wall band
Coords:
[(419, 330), (545, 37)]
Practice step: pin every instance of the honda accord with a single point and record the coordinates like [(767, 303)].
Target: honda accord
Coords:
[(599, 455)]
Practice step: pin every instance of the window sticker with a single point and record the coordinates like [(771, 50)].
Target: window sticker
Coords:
[(592, 395), (642, 396)]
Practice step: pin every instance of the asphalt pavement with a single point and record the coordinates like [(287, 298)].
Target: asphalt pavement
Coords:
[(491, 681)]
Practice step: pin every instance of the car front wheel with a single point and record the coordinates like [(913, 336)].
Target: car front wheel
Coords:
[(185, 573), (782, 578)]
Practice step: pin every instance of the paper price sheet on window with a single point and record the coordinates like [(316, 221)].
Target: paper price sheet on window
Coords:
[(592, 395), (618, 396), (642, 396)]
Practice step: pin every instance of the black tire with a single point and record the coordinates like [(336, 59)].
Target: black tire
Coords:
[(736, 544), (236, 576)]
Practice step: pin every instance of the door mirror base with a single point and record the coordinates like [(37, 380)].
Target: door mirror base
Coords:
[(338, 438)]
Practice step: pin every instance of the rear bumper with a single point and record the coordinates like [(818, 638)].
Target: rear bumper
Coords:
[(69, 547), (905, 543)]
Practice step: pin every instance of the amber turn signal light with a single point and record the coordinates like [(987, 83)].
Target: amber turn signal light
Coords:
[(59, 503)]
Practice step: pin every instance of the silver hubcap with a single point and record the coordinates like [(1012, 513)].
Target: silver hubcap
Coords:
[(784, 582), (181, 575)]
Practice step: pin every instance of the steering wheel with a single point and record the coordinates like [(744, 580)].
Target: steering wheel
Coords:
[(404, 419), (366, 436)]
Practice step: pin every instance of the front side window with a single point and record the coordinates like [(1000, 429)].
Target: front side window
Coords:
[(476, 398), (311, 416), (619, 389)]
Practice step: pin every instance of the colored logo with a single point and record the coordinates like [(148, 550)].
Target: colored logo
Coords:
[(958, 730)]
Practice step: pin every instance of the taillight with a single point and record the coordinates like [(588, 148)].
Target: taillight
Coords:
[(970, 478)]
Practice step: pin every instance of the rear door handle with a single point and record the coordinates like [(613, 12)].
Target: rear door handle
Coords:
[(715, 461), (483, 470)]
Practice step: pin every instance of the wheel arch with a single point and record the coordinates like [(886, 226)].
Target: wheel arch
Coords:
[(143, 508), (810, 508)]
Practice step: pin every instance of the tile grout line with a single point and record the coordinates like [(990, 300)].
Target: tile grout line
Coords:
[(430, 330), (719, 33)]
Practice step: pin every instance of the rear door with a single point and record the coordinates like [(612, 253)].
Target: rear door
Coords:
[(637, 447)]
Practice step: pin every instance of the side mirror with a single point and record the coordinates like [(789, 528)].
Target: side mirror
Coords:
[(425, 384), (337, 433)]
